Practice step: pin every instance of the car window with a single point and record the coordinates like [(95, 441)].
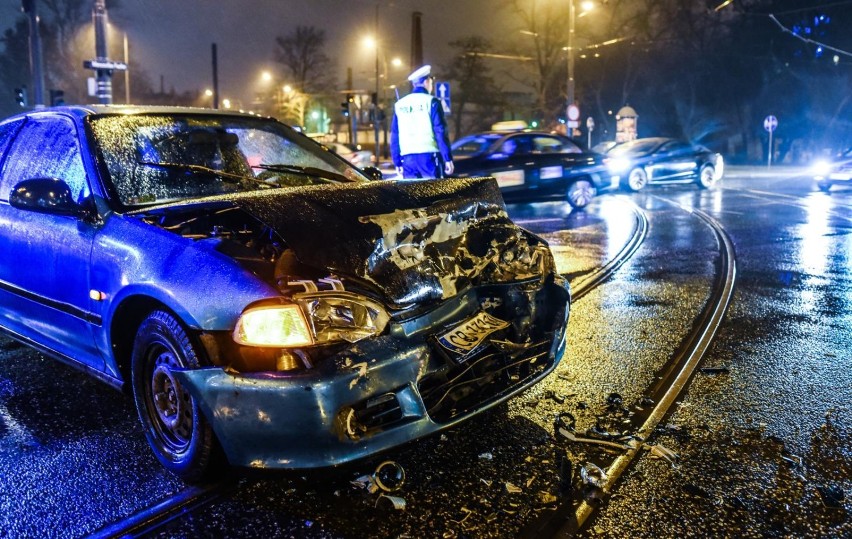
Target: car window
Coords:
[(634, 147), (154, 158), (47, 147), (472, 145), (545, 144), (7, 131), (675, 147)]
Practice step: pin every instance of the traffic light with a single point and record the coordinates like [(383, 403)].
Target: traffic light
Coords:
[(345, 106), (21, 96), (57, 98)]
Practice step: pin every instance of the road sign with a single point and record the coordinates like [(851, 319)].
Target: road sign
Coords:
[(104, 64), (573, 112), (442, 91), (770, 123), (590, 123)]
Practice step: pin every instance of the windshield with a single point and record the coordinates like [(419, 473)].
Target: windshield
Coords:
[(473, 145), (158, 158), (634, 147)]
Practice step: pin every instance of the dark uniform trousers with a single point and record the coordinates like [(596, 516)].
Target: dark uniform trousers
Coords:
[(422, 165)]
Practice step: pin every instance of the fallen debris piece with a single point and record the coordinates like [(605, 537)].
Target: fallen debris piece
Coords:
[(714, 370), (396, 502), (546, 498), (695, 490), (389, 476), (566, 476), (366, 482), (555, 397), (572, 438), (486, 456), (530, 481), (487, 482), (832, 496), (614, 399), (593, 475), (512, 489), (660, 451)]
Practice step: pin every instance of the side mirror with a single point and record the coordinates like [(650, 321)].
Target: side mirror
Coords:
[(45, 195), (373, 173)]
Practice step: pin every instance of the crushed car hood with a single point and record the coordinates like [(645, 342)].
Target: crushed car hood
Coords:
[(414, 240)]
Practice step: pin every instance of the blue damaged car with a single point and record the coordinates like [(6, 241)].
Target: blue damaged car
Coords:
[(262, 300)]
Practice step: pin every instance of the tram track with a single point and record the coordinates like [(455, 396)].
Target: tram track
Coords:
[(149, 520), (572, 515)]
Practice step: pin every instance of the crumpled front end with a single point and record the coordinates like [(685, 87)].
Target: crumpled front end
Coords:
[(381, 392)]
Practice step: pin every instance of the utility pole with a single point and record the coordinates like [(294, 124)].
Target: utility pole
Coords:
[(36, 60), (376, 100), (102, 65), (572, 19), (215, 57)]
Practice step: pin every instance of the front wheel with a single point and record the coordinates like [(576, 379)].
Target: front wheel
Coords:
[(637, 179), (176, 429), (580, 193), (707, 177)]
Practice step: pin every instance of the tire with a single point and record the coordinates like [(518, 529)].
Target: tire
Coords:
[(823, 186), (637, 179), (580, 193), (175, 428), (707, 177)]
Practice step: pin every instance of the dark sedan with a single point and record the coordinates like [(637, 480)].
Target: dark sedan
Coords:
[(260, 297), (533, 166), (646, 161)]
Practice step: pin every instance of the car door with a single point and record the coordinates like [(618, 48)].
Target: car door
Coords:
[(44, 270), (675, 161)]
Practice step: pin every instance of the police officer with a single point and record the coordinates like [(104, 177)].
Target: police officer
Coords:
[(420, 144)]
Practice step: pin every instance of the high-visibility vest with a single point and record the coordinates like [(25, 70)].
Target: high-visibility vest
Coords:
[(414, 122)]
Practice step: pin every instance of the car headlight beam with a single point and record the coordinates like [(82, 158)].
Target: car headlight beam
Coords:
[(314, 318), (279, 326), (618, 165)]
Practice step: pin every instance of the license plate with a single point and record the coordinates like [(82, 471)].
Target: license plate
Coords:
[(509, 178), (549, 173), (465, 337)]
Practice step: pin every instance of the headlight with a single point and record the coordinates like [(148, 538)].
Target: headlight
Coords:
[(273, 326), (821, 168), (342, 316), (315, 318), (618, 164)]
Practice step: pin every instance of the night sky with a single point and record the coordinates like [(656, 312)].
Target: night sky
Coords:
[(172, 38)]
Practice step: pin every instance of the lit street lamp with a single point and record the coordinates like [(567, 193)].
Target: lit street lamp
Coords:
[(572, 16)]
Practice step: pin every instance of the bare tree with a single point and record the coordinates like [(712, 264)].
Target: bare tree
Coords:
[(477, 101), (302, 54)]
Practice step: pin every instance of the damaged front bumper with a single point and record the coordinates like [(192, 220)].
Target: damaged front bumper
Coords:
[(385, 391)]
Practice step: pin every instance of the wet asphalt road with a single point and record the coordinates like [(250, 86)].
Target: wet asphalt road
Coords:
[(763, 442)]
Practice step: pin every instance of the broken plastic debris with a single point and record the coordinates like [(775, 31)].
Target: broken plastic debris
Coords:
[(487, 482), (661, 452), (365, 481), (389, 476), (832, 496), (572, 438), (486, 456), (512, 489), (614, 399), (362, 373), (714, 370), (593, 475), (530, 481), (546, 498), (566, 476), (396, 502)]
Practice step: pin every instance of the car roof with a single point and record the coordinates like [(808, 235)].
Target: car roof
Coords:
[(81, 111)]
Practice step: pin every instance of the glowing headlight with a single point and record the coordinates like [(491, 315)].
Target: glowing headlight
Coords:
[(618, 164), (316, 318), (273, 326), (342, 316), (821, 168)]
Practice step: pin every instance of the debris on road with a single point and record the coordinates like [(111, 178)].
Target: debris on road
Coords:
[(389, 476), (714, 370), (592, 475), (513, 489), (395, 502), (486, 456), (832, 497), (659, 451)]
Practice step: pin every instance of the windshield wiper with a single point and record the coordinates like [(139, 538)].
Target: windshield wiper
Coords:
[(321, 174), (202, 168)]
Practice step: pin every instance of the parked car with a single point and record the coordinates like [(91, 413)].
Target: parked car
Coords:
[(663, 160), (259, 296), (836, 171), (531, 165), (354, 154)]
